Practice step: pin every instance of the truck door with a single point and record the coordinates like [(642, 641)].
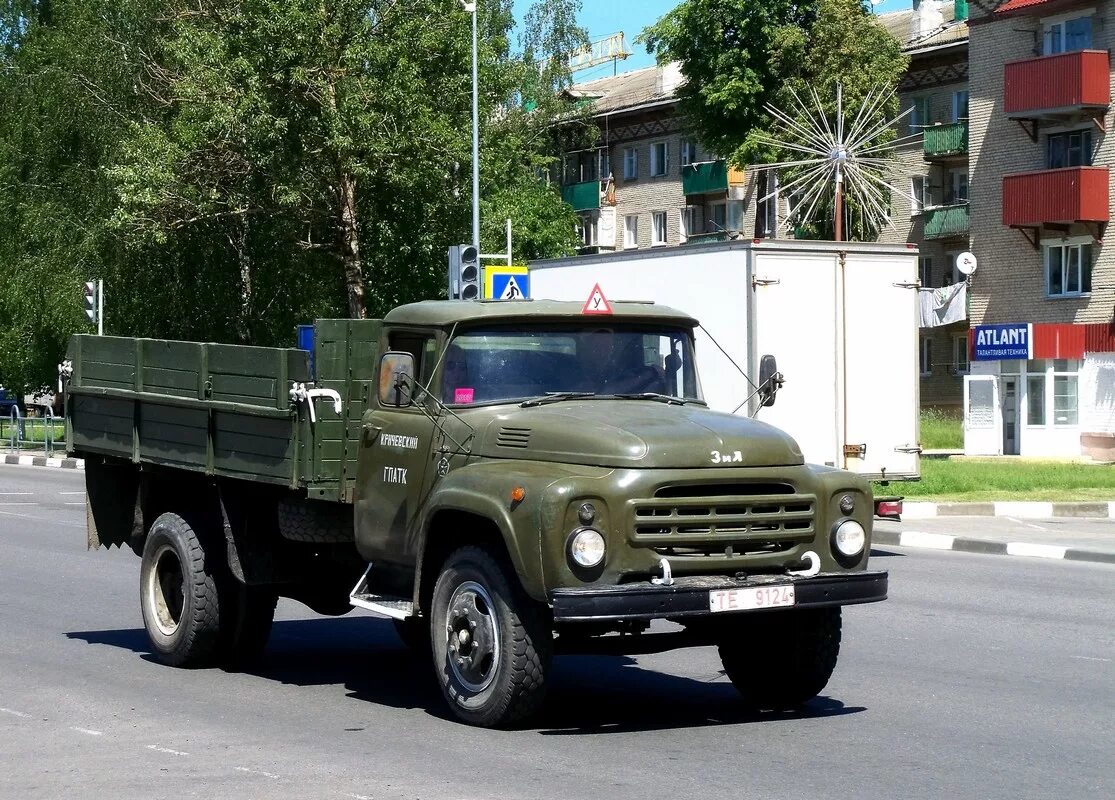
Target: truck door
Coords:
[(880, 356), (393, 472)]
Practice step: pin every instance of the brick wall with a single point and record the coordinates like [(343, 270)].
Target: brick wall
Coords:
[(1009, 285)]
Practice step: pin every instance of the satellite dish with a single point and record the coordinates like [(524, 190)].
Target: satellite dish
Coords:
[(966, 263)]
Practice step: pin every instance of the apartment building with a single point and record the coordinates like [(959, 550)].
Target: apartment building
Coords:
[(1042, 377), (649, 184)]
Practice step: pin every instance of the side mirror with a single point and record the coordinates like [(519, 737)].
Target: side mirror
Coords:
[(770, 380), (396, 380)]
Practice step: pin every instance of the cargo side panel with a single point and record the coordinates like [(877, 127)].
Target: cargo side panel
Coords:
[(881, 365), (253, 446), (169, 434), (103, 425), (797, 321)]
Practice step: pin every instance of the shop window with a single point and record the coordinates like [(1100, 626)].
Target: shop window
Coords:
[(1062, 405), (1035, 399), (1071, 149), (1068, 268), (1066, 392)]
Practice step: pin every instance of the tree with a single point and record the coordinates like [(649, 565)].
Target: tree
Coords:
[(738, 56)]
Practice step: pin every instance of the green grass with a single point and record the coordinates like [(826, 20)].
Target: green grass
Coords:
[(34, 430), (941, 430), (981, 480)]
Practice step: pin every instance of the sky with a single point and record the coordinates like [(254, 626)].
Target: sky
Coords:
[(604, 17)]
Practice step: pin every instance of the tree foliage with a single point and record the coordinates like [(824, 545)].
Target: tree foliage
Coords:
[(231, 168), (738, 56)]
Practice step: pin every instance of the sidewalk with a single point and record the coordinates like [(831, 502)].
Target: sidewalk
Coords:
[(1067, 538)]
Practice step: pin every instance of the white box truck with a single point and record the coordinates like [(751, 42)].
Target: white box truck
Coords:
[(840, 317)]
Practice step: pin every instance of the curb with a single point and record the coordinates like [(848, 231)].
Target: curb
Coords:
[(44, 461), (942, 541), (1101, 509)]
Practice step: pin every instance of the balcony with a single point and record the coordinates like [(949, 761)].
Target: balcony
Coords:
[(945, 141), (583, 196), (1056, 197), (1056, 86), (709, 176), (945, 222), (714, 236)]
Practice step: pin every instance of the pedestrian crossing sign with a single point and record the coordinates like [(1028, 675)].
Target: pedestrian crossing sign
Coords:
[(507, 283)]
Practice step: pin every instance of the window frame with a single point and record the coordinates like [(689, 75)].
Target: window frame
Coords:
[(956, 105), (630, 242), (660, 170), (687, 218), (1084, 276), (960, 358), (687, 152), (923, 111), (918, 204), (588, 226), (925, 272), (630, 163), (1061, 21), (1086, 148), (655, 216), (925, 356)]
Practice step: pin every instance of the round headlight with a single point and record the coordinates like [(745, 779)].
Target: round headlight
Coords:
[(849, 538), (586, 548)]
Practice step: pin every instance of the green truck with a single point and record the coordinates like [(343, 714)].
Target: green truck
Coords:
[(506, 481)]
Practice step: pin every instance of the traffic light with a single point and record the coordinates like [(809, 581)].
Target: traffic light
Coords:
[(464, 272), (91, 300)]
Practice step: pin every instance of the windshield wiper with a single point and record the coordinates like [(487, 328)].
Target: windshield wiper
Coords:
[(555, 397), (661, 398)]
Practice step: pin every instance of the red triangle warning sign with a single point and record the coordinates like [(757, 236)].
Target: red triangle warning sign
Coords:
[(597, 303)]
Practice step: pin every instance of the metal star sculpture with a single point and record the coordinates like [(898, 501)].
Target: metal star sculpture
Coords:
[(839, 159)]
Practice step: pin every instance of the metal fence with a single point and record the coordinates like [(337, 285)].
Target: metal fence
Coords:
[(46, 433)]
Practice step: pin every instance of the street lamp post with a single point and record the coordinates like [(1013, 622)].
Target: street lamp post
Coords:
[(470, 7)]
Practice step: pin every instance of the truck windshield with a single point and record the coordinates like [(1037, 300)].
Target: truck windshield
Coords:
[(504, 364)]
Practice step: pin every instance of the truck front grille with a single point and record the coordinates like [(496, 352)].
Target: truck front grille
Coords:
[(723, 519)]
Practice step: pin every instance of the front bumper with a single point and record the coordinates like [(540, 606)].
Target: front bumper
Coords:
[(689, 596)]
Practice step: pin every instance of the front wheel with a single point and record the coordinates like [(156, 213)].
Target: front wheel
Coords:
[(780, 660), (491, 643)]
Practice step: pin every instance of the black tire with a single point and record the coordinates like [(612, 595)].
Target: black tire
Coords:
[(310, 521), (178, 594), (780, 660), (247, 613), (496, 675)]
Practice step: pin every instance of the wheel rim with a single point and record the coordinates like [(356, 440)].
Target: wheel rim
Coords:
[(166, 592), (472, 636)]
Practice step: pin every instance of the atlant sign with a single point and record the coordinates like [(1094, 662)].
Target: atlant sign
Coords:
[(996, 342)]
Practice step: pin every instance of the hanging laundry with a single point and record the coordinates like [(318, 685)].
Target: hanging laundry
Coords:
[(943, 306)]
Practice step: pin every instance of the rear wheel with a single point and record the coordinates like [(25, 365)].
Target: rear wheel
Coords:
[(178, 594), (782, 659), (491, 643)]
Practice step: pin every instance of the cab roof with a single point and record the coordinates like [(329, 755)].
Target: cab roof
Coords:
[(440, 313)]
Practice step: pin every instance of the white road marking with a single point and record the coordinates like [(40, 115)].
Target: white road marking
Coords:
[(934, 541), (1081, 658), (15, 713), (79, 503), (18, 504), (71, 493), (166, 750), (1027, 524), (358, 796), (43, 519), (14, 494), (258, 772), (1035, 550), (88, 731)]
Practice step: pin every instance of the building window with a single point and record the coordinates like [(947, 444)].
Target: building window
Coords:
[(1072, 149), (960, 105), (688, 218), (630, 231), (605, 164), (658, 228), (925, 271), (1063, 35), (659, 159), (925, 360), (960, 354), (920, 118), (630, 163), (1063, 403), (958, 187), (718, 217), (918, 195), (1068, 269), (586, 229), (688, 152)]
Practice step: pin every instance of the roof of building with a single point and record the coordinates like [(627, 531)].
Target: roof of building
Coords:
[(1014, 5), (900, 25), (630, 90)]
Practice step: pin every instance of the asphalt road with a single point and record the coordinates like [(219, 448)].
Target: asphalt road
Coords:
[(981, 677)]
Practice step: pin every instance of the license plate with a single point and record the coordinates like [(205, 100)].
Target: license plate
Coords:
[(750, 599)]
